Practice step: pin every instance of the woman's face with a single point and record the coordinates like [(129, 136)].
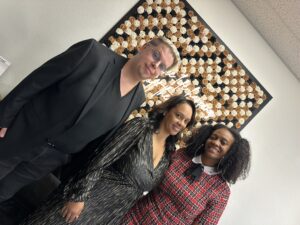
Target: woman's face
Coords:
[(218, 144), (176, 119)]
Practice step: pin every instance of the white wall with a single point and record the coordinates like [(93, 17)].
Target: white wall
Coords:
[(32, 31), (271, 194)]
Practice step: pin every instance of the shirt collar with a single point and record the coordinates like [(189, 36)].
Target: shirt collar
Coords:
[(210, 170)]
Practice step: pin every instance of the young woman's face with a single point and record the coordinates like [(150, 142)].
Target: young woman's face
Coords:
[(177, 119), (218, 144)]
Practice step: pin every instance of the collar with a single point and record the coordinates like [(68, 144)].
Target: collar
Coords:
[(210, 170)]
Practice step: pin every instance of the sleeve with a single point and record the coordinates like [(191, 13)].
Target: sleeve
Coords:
[(78, 189), (213, 210), (49, 73)]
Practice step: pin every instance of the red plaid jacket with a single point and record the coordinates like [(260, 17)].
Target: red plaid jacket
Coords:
[(178, 201)]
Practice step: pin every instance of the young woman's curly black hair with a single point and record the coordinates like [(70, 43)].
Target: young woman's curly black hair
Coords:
[(235, 164), (157, 114)]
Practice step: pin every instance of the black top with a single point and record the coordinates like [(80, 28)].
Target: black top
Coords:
[(57, 95), (103, 116)]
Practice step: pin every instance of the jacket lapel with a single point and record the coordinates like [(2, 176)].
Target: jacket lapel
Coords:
[(111, 70)]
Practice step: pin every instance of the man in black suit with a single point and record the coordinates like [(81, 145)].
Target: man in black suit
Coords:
[(84, 93)]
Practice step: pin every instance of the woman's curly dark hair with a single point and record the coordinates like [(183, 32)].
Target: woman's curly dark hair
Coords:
[(235, 164), (157, 114)]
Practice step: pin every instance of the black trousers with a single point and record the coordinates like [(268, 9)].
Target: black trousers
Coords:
[(17, 172)]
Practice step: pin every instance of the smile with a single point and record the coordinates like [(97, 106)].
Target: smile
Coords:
[(176, 128), (214, 149)]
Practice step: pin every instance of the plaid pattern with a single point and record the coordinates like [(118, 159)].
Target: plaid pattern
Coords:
[(177, 200)]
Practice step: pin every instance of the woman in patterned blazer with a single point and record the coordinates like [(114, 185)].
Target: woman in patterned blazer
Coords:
[(195, 188)]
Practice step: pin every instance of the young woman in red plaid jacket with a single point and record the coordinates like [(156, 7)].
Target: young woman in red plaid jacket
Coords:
[(195, 188)]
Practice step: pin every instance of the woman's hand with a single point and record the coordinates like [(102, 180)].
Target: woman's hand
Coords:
[(71, 211)]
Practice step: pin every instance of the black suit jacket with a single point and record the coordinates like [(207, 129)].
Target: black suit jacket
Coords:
[(54, 97)]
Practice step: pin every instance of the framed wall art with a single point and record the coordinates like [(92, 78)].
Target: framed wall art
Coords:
[(224, 90)]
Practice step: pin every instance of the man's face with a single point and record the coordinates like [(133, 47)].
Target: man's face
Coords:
[(152, 61)]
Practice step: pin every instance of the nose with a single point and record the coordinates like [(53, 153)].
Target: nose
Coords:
[(156, 64), (216, 142)]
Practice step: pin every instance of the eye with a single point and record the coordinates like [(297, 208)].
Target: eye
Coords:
[(213, 137), (156, 55), (178, 115), (187, 121), (224, 142)]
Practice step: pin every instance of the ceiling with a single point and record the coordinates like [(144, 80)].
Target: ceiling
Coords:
[(278, 21)]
